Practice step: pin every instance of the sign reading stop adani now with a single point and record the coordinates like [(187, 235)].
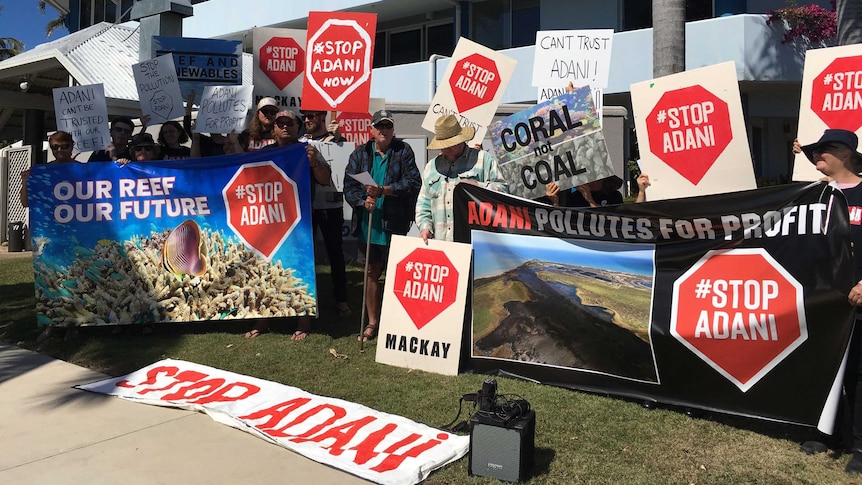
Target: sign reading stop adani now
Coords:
[(422, 317), (691, 133), (471, 87), (338, 61), (279, 64), (831, 98)]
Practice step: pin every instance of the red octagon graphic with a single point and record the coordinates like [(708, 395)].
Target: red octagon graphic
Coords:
[(688, 129), (262, 206), (474, 82), (339, 60), (282, 59), (426, 283), (836, 94), (354, 127), (739, 311)]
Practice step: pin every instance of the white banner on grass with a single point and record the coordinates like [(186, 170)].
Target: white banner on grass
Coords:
[(376, 446)]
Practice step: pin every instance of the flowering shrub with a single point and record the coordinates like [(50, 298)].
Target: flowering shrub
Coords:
[(811, 22)]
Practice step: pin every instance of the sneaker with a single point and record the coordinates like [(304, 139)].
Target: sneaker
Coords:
[(854, 466)]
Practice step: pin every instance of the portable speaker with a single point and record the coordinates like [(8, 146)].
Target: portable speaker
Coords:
[(502, 450)]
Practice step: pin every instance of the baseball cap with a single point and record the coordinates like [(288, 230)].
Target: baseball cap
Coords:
[(286, 113), (382, 115), (266, 102)]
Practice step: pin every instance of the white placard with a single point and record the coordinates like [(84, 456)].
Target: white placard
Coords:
[(582, 57), (158, 89), (279, 65), (223, 109), (82, 111)]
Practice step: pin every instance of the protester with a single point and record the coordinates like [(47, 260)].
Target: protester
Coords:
[(286, 131), (456, 163), (121, 131), (391, 202), (261, 130), (61, 144), (328, 211), (643, 183), (171, 137), (598, 193), (835, 155), (144, 149)]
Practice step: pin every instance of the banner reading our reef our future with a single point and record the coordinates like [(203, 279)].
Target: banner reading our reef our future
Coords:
[(699, 302), (380, 447), (173, 241)]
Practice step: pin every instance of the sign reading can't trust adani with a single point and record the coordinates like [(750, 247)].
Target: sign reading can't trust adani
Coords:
[(166, 241)]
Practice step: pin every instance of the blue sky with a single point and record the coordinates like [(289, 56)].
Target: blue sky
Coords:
[(22, 20)]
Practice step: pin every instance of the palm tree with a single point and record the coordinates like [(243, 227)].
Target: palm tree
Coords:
[(849, 21), (55, 24), (668, 37), (9, 46)]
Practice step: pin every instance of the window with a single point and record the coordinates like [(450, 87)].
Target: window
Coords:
[(504, 24), (637, 14), (95, 11), (413, 44), (405, 46), (441, 39), (380, 50)]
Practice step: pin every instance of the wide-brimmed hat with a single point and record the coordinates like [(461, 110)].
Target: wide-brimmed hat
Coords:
[(448, 132), (143, 139), (844, 137), (264, 102)]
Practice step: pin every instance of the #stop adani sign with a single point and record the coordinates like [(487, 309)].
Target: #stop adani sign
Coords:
[(741, 312), (339, 61), (422, 317)]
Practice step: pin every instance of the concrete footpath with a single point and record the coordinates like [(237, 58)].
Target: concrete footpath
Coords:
[(53, 434)]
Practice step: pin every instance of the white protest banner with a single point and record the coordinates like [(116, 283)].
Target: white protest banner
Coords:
[(831, 98), (425, 294), (338, 61), (336, 154), (158, 89), (556, 141), (692, 123), (582, 57), (279, 64), (223, 109), (380, 447), (472, 87), (82, 111)]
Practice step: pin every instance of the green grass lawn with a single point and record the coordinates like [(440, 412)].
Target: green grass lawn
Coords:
[(580, 437)]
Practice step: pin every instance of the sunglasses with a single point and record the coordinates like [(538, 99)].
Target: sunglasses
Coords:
[(384, 126), (308, 116), (61, 146), (269, 112), (285, 124), (146, 148), (119, 129)]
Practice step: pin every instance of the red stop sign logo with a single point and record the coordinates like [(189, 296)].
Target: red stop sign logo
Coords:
[(354, 127), (426, 283), (836, 94), (339, 60), (741, 312), (282, 60), (688, 129), (474, 82), (262, 205)]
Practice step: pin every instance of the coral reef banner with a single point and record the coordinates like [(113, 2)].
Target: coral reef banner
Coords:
[(173, 241), (731, 302), (380, 447)]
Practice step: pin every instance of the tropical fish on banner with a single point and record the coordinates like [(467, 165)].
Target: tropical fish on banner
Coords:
[(173, 241), (728, 302)]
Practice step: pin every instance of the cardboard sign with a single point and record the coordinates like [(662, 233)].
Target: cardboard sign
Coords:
[(223, 108), (354, 126), (831, 98), (546, 93), (338, 61), (82, 111), (472, 87), (582, 57), (421, 321), (692, 123), (202, 62), (159, 89), (279, 64)]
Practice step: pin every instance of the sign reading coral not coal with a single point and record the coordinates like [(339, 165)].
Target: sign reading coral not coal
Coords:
[(159, 89), (202, 62), (279, 64), (423, 305), (338, 61), (556, 141), (81, 111), (223, 109), (472, 87), (690, 124), (831, 98)]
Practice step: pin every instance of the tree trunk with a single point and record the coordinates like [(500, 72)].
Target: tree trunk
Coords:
[(668, 37), (849, 21)]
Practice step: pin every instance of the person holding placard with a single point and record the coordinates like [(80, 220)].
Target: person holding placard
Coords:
[(260, 134), (457, 163), (121, 132), (60, 143), (171, 137), (381, 209)]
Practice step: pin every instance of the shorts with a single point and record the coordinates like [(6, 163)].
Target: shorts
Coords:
[(376, 254)]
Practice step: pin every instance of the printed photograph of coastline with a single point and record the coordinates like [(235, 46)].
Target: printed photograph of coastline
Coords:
[(563, 302)]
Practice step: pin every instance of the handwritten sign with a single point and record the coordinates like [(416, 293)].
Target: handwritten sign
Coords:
[(202, 62), (223, 108), (279, 65), (81, 111), (159, 88), (582, 57)]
